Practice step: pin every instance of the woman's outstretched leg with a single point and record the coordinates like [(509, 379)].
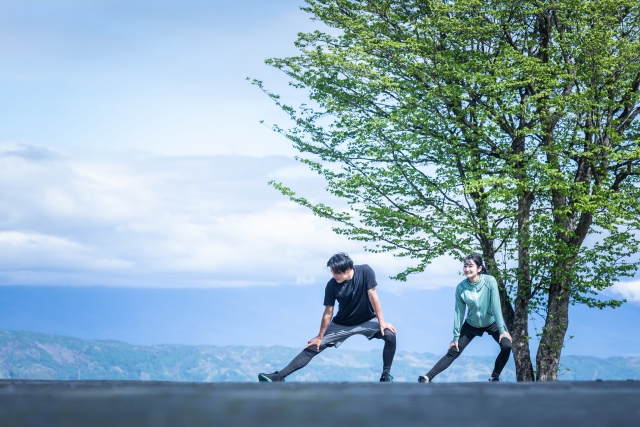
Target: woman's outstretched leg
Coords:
[(452, 354)]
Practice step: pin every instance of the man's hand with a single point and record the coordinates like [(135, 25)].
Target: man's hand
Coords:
[(506, 335), (314, 341), (375, 303), (454, 344), (385, 325)]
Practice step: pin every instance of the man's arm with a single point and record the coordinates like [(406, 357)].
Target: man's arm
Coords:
[(324, 324), (375, 303)]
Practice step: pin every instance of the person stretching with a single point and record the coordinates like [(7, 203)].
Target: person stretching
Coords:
[(479, 294), (359, 313)]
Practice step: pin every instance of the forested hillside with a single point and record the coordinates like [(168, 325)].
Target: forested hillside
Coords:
[(32, 355)]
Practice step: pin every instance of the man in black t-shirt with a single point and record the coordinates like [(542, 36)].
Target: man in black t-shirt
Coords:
[(359, 314)]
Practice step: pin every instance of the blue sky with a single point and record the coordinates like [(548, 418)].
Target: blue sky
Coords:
[(132, 156)]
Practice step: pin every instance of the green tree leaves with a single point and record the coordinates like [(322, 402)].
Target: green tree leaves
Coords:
[(500, 127)]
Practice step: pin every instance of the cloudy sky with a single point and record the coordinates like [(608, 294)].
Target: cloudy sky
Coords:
[(132, 156), (132, 152)]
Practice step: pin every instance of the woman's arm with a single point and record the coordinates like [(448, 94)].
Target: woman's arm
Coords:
[(458, 317)]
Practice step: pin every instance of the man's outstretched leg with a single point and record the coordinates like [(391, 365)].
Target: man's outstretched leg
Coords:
[(336, 334), (298, 362), (387, 353)]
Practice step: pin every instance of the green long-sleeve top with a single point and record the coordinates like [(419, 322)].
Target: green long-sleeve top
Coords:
[(482, 301)]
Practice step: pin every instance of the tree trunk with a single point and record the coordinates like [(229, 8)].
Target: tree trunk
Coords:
[(555, 328), (517, 323), (574, 231), (520, 328), (507, 309), (489, 254), (520, 334)]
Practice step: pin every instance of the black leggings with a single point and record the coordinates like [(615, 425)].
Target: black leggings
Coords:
[(305, 356), (467, 333)]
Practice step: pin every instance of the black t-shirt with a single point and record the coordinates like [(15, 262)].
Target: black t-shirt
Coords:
[(355, 307)]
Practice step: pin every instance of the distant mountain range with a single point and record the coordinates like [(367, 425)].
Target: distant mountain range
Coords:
[(32, 355)]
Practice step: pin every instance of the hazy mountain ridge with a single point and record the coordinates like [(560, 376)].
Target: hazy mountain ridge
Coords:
[(32, 355)]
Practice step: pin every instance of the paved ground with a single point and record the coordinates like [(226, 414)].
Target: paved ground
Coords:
[(162, 404)]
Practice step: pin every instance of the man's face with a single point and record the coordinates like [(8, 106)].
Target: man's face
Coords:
[(343, 277)]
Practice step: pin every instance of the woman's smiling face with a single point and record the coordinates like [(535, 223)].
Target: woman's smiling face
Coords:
[(471, 270)]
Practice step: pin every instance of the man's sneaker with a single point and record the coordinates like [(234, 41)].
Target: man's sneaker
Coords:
[(494, 379), (386, 378), (423, 379), (270, 378)]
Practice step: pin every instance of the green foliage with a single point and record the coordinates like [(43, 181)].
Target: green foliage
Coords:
[(503, 127)]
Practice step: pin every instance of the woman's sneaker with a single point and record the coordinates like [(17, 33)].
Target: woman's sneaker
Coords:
[(386, 378), (494, 379), (270, 378), (423, 379)]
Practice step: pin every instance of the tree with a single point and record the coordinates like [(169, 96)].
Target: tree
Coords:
[(503, 127)]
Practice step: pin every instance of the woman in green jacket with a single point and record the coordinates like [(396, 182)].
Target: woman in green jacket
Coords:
[(478, 294)]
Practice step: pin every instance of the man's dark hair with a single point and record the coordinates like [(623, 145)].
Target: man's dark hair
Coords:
[(339, 263)]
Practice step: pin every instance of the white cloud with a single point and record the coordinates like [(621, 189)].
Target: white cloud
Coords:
[(305, 280), (629, 290), (105, 218), (293, 173), (20, 251)]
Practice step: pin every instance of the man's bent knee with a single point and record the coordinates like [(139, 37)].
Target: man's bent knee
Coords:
[(389, 336)]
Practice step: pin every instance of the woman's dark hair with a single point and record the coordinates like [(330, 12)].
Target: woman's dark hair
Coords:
[(477, 260), (339, 263)]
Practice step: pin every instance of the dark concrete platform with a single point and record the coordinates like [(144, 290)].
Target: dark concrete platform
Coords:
[(163, 404)]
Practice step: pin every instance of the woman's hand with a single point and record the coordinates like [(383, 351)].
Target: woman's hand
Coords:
[(454, 344), (506, 335)]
